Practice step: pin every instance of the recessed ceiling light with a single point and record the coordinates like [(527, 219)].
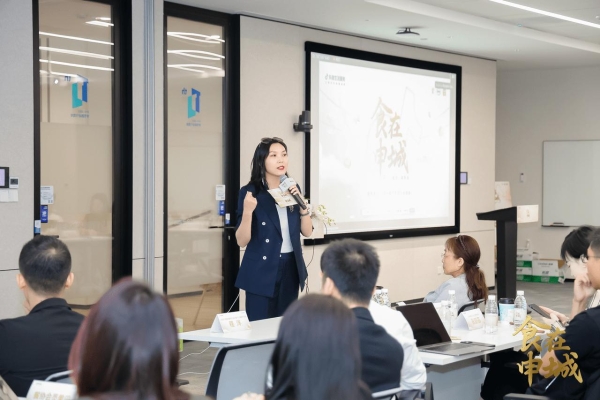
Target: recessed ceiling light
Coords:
[(197, 54), (75, 38), (76, 65), (76, 53), (197, 37), (193, 67), (100, 23), (547, 13)]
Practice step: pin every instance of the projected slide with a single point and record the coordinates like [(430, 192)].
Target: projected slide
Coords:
[(383, 150)]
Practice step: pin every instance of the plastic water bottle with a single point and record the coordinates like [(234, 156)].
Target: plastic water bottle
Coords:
[(491, 315), (520, 309), (377, 296), (446, 316), (385, 298), (453, 305)]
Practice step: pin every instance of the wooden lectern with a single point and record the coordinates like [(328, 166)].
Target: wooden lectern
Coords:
[(506, 242)]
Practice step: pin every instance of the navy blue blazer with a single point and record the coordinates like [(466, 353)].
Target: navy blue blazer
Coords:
[(258, 272)]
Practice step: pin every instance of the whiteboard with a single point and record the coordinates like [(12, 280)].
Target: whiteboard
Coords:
[(571, 183)]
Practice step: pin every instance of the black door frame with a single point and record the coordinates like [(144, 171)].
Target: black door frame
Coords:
[(231, 139)]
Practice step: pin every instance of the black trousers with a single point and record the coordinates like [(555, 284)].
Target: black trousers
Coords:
[(286, 291), (504, 377)]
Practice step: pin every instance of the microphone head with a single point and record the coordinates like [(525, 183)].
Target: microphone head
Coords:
[(283, 178)]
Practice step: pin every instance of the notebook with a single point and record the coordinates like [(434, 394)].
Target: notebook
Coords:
[(430, 334)]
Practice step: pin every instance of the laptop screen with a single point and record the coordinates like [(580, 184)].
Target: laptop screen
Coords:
[(425, 323)]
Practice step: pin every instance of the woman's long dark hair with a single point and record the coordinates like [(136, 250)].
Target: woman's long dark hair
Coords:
[(127, 347), (467, 248), (257, 173), (316, 356)]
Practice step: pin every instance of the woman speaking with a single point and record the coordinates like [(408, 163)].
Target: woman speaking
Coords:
[(273, 267)]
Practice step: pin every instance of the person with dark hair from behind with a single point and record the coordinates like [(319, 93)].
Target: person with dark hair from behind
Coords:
[(349, 271), (127, 347), (316, 354), (460, 260), (37, 345)]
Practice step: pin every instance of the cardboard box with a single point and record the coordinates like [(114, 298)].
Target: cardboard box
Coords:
[(524, 255), (524, 274), (524, 264), (547, 271)]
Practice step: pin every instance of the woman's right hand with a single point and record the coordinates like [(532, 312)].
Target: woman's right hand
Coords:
[(582, 289), (249, 203)]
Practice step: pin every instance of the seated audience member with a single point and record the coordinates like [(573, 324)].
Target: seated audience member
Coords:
[(582, 335), (573, 252), (127, 347), (350, 269), (316, 355), (503, 376), (37, 345), (460, 260), (413, 375)]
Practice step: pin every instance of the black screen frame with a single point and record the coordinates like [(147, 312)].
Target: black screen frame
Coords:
[(313, 47), (5, 171)]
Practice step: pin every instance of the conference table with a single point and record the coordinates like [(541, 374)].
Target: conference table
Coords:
[(452, 377)]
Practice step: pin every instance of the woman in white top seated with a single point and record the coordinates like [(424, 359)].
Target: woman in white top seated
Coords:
[(460, 260)]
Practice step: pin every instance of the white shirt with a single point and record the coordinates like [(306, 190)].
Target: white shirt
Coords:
[(413, 374), (286, 246)]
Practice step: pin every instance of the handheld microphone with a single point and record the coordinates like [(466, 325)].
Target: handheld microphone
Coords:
[(285, 184)]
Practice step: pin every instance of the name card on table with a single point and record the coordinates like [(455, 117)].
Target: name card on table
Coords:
[(51, 390), (472, 319), (231, 322)]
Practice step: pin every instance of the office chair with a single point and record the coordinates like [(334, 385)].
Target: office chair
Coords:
[(468, 306), (397, 394), (60, 377), (238, 369)]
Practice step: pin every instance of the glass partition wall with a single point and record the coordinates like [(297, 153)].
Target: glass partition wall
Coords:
[(82, 138), (195, 73), (76, 52)]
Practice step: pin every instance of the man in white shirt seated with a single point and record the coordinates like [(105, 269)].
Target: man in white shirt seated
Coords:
[(413, 374)]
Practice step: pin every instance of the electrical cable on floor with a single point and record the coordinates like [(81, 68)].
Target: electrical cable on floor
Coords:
[(193, 373), (237, 297), (195, 353)]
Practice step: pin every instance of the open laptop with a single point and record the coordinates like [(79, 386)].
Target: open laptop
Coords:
[(430, 334)]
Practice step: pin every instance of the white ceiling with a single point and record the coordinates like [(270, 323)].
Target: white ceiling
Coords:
[(479, 28)]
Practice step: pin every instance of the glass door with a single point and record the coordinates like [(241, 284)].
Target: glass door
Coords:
[(195, 73), (78, 139)]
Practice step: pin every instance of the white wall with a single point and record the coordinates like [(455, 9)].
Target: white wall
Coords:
[(272, 96), (534, 106), (16, 143)]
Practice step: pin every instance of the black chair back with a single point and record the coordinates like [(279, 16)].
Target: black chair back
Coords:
[(238, 369)]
